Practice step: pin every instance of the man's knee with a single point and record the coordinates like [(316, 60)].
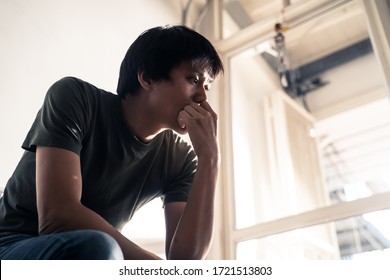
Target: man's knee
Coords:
[(96, 245)]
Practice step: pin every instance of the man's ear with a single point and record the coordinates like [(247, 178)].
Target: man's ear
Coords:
[(144, 80)]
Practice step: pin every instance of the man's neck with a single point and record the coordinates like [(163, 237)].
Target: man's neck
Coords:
[(139, 119)]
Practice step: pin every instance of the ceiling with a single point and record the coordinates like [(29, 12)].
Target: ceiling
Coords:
[(308, 39), (327, 27)]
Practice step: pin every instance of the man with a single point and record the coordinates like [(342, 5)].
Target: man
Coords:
[(93, 158)]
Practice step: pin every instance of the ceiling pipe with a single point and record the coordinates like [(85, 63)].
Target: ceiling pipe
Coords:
[(200, 17), (184, 14), (202, 14)]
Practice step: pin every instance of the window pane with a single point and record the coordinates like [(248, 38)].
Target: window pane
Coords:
[(250, 124), (361, 237), (356, 158)]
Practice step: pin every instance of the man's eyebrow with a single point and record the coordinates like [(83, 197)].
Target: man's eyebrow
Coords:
[(201, 74)]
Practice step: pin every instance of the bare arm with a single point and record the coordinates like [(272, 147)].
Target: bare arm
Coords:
[(191, 238), (59, 187)]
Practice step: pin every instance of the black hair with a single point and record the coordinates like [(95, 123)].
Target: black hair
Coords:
[(158, 50)]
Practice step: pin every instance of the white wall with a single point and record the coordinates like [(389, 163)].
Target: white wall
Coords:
[(43, 40)]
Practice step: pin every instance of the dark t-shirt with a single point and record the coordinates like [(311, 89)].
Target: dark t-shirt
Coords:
[(119, 173)]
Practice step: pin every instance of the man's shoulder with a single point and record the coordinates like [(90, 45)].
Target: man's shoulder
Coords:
[(71, 86), (69, 81), (74, 83)]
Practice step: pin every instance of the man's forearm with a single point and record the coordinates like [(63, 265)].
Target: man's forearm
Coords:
[(193, 235)]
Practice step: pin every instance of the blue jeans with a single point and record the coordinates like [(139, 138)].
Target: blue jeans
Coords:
[(72, 245)]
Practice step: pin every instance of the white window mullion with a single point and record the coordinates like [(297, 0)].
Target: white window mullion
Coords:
[(318, 216)]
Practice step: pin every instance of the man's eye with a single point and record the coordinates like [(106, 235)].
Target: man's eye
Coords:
[(195, 81)]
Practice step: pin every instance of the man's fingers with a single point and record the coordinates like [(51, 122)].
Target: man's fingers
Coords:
[(195, 111), (192, 109), (205, 105), (203, 108)]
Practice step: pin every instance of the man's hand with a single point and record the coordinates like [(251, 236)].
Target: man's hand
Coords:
[(200, 120)]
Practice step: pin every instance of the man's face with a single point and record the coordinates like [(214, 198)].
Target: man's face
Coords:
[(188, 84)]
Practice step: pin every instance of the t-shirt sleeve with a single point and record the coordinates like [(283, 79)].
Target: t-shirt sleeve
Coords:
[(179, 189), (62, 121)]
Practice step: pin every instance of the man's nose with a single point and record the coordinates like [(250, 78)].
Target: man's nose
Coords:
[(201, 95)]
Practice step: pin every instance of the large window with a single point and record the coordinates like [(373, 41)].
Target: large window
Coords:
[(309, 143)]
